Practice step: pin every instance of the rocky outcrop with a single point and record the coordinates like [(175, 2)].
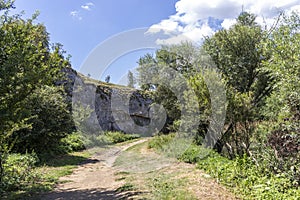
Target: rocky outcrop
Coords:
[(106, 106)]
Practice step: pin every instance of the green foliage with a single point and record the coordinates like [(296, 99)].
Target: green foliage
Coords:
[(6, 4), (179, 58), (73, 142), (27, 64), (284, 64), (192, 154), (19, 172), (33, 111), (283, 105), (239, 55), (244, 175), (131, 79), (159, 142), (117, 137), (247, 179), (164, 186), (51, 120)]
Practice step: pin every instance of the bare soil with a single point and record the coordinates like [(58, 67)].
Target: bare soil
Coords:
[(98, 178)]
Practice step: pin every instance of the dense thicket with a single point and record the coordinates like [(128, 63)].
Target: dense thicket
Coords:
[(34, 113), (260, 70)]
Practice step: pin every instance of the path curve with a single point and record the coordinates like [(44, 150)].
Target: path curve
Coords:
[(94, 180)]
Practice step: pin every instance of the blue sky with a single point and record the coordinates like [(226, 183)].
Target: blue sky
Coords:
[(81, 25), (94, 22)]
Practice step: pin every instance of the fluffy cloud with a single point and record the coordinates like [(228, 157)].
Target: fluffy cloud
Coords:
[(195, 19), (75, 15), (87, 6)]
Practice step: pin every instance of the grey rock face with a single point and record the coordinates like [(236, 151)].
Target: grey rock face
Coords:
[(107, 106)]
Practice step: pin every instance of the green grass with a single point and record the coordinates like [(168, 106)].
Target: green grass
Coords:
[(118, 137), (126, 187), (247, 179), (240, 175), (49, 173), (62, 165), (157, 184), (166, 187)]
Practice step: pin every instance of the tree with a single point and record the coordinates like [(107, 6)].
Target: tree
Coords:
[(176, 57), (131, 79), (29, 70), (237, 53), (284, 45), (107, 78)]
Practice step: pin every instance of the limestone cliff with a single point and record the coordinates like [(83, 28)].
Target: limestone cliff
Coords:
[(112, 107)]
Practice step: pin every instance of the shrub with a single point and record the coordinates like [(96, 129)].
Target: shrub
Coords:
[(117, 136), (247, 179), (18, 172), (73, 142), (160, 141)]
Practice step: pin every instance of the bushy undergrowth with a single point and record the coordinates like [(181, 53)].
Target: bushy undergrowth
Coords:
[(159, 142), (117, 137), (242, 175), (247, 179), (73, 142), (18, 172)]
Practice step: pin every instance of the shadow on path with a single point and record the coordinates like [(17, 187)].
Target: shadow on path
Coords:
[(92, 194)]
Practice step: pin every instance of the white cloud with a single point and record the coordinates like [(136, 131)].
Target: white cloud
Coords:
[(192, 16), (75, 14), (87, 6), (227, 23)]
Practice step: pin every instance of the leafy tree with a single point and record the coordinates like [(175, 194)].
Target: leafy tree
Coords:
[(237, 53), (131, 79), (29, 70), (176, 57), (284, 44), (283, 107), (107, 78), (50, 122)]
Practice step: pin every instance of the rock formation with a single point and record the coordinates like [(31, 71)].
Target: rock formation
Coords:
[(106, 106)]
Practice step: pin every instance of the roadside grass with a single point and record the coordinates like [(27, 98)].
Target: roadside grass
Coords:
[(169, 186), (61, 165), (126, 187), (241, 175), (48, 173), (152, 184), (48, 169)]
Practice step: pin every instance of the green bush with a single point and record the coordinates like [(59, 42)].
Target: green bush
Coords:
[(242, 175), (19, 172), (117, 137), (194, 153), (159, 142), (51, 122), (73, 142), (248, 180)]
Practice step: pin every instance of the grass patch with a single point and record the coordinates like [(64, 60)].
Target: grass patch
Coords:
[(62, 165), (49, 171), (121, 173), (167, 186), (126, 187), (118, 137), (247, 179), (240, 175)]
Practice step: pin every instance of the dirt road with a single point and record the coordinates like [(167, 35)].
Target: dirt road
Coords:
[(98, 178)]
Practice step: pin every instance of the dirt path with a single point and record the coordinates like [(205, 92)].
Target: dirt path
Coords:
[(94, 180), (108, 171)]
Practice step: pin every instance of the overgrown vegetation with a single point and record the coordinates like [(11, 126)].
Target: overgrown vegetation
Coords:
[(256, 151), (258, 148)]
